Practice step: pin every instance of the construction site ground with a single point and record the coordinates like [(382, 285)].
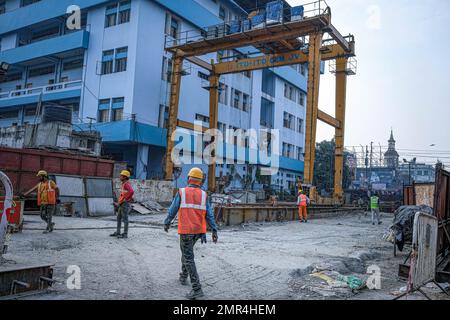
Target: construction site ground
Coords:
[(254, 261)]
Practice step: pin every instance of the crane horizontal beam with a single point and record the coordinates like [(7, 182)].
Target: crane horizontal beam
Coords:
[(277, 60), (325, 117), (255, 37)]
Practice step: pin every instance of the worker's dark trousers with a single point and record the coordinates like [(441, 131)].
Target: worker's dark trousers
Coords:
[(122, 215), (47, 211), (188, 268)]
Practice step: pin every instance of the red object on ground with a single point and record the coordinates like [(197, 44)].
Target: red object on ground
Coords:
[(21, 166), (15, 214)]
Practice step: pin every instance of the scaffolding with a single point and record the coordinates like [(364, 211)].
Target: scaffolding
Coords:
[(296, 37)]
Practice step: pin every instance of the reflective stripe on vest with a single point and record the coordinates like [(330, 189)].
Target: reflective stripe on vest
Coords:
[(51, 194), (303, 201), (192, 212)]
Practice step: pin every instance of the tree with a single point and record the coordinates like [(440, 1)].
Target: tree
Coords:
[(324, 167)]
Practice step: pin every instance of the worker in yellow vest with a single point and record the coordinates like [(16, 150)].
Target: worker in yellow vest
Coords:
[(47, 198), (194, 212)]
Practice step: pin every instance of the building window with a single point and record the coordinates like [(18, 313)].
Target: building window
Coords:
[(299, 125), (222, 13), (236, 98), (12, 76), (203, 76), (2, 7), (167, 66), (117, 13), (41, 71), (301, 98), (117, 109), (202, 118), (247, 74), (107, 61), (103, 110), (299, 153), (9, 114), (24, 3), (172, 26), (303, 69), (288, 121), (121, 59), (223, 93), (117, 115), (73, 64), (288, 150), (163, 116), (245, 102), (124, 11), (111, 15)]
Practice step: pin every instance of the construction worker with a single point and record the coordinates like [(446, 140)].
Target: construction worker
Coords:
[(194, 212), (302, 203), (47, 198), (123, 206), (375, 208)]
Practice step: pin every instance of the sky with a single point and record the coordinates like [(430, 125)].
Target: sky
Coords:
[(402, 81)]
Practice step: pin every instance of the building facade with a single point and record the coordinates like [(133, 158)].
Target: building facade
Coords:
[(115, 75)]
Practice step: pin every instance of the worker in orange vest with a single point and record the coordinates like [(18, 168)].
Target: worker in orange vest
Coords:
[(47, 198), (194, 212), (303, 202), (124, 205)]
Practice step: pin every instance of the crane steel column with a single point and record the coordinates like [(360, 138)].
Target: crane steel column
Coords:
[(213, 118), (173, 111), (341, 90), (312, 106)]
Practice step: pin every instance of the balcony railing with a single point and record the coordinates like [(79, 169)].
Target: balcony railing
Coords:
[(51, 88)]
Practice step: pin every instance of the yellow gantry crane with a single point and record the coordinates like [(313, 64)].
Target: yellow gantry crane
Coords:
[(280, 45)]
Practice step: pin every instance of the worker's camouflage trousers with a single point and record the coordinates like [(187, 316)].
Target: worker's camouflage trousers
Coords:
[(47, 211), (122, 215), (188, 268)]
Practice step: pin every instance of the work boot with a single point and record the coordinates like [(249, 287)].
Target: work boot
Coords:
[(123, 236), (380, 222), (306, 221), (194, 294), (52, 226), (183, 281), (115, 234)]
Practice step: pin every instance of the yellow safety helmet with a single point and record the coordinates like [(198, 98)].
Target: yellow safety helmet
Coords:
[(196, 173), (42, 173), (125, 173)]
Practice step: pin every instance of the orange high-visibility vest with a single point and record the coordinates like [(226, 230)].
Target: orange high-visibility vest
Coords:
[(302, 202), (51, 194), (192, 212)]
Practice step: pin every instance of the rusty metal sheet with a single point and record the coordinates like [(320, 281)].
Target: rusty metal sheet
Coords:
[(424, 194), (442, 209), (31, 276)]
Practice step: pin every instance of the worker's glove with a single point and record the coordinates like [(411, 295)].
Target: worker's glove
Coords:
[(215, 237), (204, 238), (58, 201), (166, 227)]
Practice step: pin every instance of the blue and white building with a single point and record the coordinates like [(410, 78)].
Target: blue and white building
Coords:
[(115, 73)]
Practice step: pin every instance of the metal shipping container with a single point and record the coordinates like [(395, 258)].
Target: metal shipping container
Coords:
[(21, 166)]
